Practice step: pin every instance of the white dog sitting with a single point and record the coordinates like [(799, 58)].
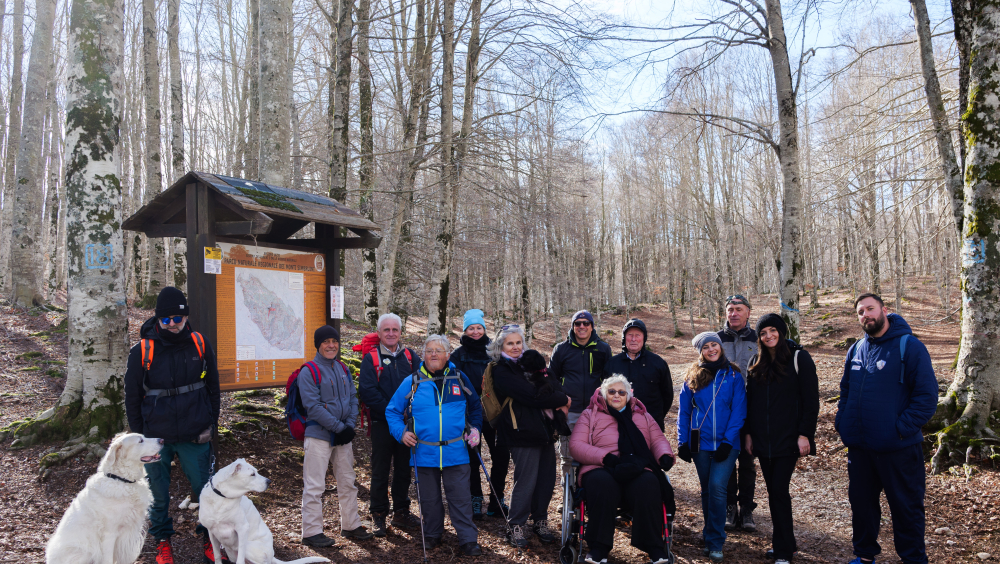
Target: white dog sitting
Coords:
[(107, 520), (232, 520)]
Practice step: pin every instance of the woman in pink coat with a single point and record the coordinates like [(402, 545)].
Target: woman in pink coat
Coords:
[(623, 456)]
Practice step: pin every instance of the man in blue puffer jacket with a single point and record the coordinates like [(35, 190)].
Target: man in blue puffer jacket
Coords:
[(883, 404), (435, 412)]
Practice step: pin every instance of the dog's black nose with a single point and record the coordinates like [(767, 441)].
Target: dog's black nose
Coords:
[(159, 441), (268, 482)]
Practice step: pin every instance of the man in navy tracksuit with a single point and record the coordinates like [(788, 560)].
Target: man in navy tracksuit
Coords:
[(883, 404)]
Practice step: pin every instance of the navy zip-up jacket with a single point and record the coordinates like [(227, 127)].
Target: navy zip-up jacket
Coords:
[(876, 412), (376, 387), (580, 369)]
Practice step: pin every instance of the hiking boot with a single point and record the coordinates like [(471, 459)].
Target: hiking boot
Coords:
[(715, 555), (541, 529), (210, 555), (164, 553), (378, 524), (746, 521), (497, 510), (432, 542), (361, 534), (732, 517), (770, 554), (319, 541), (405, 520), (477, 507), (471, 549), (516, 538)]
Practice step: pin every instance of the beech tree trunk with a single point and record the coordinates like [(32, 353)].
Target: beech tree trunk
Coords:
[(91, 403), (790, 263), (13, 140), (154, 176), (939, 116), (340, 91), (366, 172), (26, 260), (275, 94), (964, 413), (251, 161), (176, 91)]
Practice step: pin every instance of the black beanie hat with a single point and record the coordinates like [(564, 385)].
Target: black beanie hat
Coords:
[(171, 301), (323, 333), (635, 324), (773, 320)]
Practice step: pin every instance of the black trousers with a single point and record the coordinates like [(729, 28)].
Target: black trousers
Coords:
[(500, 455), (901, 475), (777, 474), (640, 497), (388, 453), (743, 482)]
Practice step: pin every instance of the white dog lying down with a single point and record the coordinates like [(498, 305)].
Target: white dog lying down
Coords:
[(107, 520), (232, 520)]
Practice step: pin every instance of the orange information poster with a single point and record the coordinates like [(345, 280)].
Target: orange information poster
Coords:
[(269, 303)]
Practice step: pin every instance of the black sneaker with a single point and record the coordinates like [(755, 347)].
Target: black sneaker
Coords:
[(471, 549), (378, 524), (405, 520), (541, 529), (497, 510), (361, 533), (732, 518), (432, 542), (477, 507), (319, 541), (770, 554), (746, 521)]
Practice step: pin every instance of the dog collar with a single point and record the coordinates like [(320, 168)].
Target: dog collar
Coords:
[(119, 478), (217, 492)]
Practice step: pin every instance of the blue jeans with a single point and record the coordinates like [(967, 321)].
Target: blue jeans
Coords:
[(195, 461), (714, 478)]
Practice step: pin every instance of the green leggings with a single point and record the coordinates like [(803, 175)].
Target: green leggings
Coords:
[(195, 460)]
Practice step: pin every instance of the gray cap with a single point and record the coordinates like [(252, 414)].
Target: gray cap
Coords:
[(707, 337)]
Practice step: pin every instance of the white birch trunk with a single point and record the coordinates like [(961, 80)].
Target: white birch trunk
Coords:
[(275, 94), (26, 266)]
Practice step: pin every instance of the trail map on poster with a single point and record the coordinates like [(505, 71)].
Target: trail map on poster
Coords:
[(268, 301)]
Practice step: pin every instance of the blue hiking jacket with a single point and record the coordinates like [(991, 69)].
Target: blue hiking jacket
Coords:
[(443, 405), (723, 420), (876, 412)]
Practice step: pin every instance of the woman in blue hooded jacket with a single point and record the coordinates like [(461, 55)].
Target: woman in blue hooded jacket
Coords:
[(713, 407), (436, 412)]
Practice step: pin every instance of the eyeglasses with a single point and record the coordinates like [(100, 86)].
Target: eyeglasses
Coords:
[(622, 393), (176, 319), (434, 352), (581, 323), (509, 327)]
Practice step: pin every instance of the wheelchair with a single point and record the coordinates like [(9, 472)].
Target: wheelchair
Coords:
[(574, 521)]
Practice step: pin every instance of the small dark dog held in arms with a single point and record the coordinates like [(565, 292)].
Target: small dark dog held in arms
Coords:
[(533, 364)]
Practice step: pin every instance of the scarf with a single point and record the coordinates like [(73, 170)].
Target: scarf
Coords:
[(632, 447), (510, 358), (477, 346), (719, 364)]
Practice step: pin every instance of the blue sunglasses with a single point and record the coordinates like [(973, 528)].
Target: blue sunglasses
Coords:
[(176, 319)]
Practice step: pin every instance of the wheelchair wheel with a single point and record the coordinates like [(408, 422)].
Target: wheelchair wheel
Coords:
[(569, 555), (567, 505)]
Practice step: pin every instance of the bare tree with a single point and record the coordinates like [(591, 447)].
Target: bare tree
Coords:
[(275, 93), (13, 132), (366, 172), (154, 174)]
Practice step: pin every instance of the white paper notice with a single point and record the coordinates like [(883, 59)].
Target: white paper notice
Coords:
[(213, 260), (246, 352), (336, 302), (296, 281)]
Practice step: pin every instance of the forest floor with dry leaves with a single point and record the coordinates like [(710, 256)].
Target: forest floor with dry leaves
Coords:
[(33, 351)]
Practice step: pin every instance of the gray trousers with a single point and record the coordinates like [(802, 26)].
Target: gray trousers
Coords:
[(456, 490), (565, 458), (534, 479)]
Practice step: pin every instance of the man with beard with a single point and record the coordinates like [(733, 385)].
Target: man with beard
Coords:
[(887, 393)]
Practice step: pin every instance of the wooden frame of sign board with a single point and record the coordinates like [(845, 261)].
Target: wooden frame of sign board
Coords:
[(207, 209)]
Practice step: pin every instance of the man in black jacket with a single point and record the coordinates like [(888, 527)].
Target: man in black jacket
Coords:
[(382, 371), (579, 365), (172, 393), (646, 371)]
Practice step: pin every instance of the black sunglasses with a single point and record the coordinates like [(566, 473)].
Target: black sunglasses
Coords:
[(176, 319), (622, 393), (582, 323)]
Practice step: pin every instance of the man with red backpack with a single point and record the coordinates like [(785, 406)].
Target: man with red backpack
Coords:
[(332, 410), (172, 393), (382, 370)]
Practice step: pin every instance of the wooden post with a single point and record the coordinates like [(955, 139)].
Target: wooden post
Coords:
[(326, 236), (200, 217)]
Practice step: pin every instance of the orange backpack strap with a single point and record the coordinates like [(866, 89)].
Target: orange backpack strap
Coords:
[(146, 348), (199, 343)]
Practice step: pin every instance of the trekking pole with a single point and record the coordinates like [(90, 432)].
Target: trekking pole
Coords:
[(420, 508), (492, 491)]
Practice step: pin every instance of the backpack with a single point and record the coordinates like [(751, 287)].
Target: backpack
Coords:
[(146, 348), (492, 408), (369, 347), (295, 412)]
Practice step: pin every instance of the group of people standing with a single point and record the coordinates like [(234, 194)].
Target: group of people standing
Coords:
[(750, 395)]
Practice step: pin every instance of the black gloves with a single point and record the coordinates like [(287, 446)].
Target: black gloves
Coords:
[(625, 472), (684, 452), (610, 460), (343, 437), (723, 452), (666, 462)]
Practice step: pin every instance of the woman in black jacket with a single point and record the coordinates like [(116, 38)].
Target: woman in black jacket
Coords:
[(471, 358), (782, 408), (530, 439)]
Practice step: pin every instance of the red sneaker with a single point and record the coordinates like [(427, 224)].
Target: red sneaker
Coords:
[(210, 554), (164, 553)]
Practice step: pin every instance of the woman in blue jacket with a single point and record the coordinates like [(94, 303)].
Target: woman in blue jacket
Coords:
[(712, 410), (436, 412)]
